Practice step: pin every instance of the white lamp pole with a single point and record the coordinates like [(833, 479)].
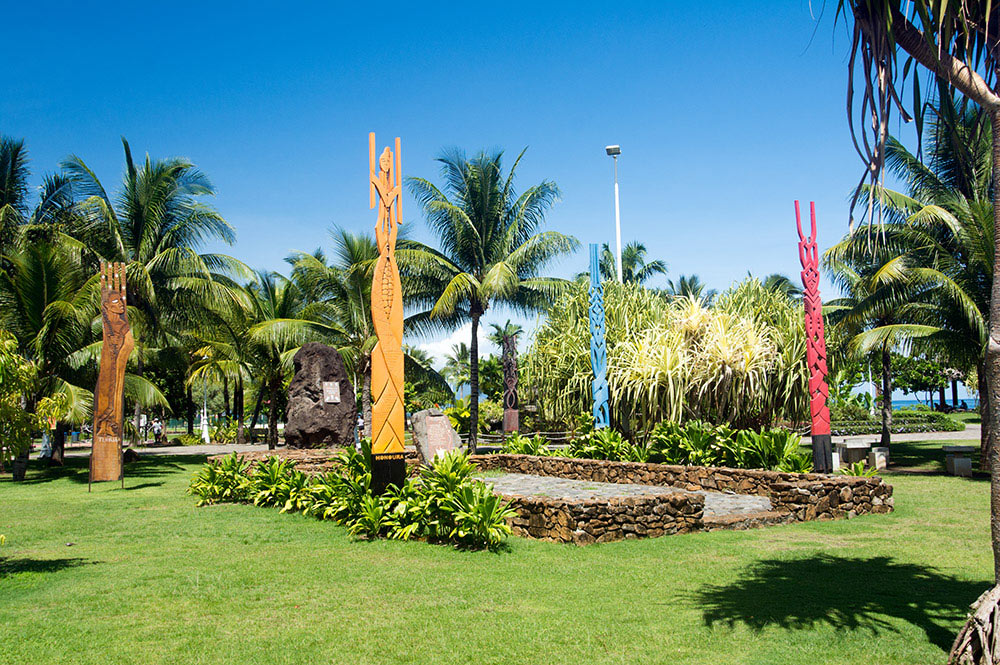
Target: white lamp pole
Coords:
[(614, 151)]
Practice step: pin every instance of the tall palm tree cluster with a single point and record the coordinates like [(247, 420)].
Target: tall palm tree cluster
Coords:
[(203, 318), (918, 277)]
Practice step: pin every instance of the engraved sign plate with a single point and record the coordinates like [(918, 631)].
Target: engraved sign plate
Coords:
[(331, 392)]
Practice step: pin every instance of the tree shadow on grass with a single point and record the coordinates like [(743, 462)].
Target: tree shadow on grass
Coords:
[(9, 567), (922, 458), (77, 469), (845, 593)]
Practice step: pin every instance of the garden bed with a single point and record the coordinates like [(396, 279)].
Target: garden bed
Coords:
[(793, 496)]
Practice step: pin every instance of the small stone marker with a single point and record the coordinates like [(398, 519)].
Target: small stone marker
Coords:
[(878, 459), (433, 434), (331, 392)]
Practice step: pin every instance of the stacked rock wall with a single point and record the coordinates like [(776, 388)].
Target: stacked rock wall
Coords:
[(585, 522), (804, 496)]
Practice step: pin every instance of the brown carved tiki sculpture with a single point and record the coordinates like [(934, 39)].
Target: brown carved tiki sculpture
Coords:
[(106, 452)]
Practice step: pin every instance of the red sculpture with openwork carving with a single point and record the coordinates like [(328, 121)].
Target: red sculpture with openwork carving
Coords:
[(815, 344)]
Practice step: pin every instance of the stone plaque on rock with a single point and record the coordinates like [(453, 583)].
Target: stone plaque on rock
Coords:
[(433, 434), (331, 392), (321, 405)]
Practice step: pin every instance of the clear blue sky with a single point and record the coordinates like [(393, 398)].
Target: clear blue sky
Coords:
[(725, 116)]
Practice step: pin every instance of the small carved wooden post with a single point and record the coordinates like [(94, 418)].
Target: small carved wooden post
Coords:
[(106, 451), (511, 418), (388, 415), (598, 351), (815, 345)]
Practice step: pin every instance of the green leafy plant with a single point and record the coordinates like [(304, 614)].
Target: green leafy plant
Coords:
[(224, 481), (480, 516), (858, 469), (269, 482)]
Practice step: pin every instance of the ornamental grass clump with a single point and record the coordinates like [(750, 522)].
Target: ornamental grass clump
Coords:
[(740, 361), (445, 504)]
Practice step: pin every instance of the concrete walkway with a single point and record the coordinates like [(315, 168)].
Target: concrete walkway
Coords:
[(717, 504), (971, 432)]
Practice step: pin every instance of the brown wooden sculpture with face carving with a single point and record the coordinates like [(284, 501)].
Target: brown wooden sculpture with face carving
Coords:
[(106, 452)]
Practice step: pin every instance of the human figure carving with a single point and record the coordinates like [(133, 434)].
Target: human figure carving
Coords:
[(388, 416), (106, 452)]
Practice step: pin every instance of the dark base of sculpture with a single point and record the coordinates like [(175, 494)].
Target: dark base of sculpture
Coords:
[(387, 470), (822, 453), (511, 420)]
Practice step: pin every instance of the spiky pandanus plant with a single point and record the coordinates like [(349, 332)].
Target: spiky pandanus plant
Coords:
[(741, 362), (491, 252)]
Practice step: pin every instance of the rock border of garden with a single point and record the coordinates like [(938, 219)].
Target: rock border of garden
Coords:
[(793, 496)]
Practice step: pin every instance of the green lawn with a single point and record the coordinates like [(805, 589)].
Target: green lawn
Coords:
[(142, 576)]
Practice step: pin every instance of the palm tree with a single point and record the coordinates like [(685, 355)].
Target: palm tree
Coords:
[(954, 42), (155, 224), (50, 303), (13, 189), (491, 249), (341, 289), (635, 268), (929, 264), (691, 287), (457, 366), (870, 301), (782, 284), (280, 321)]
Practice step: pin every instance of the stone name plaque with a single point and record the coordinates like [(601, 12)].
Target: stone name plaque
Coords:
[(331, 392), (439, 437)]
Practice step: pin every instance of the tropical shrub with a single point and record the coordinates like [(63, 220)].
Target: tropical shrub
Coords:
[(858, 469), (224, 481), (740, 361), (607, 444), (445, 504), (518, 444)]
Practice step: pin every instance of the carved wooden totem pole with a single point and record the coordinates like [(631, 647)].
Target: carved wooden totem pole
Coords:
[(388, 416), (598, 352), (815, 345), (106, 451), (511, 418)]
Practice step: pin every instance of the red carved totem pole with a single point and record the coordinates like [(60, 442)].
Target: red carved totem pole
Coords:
[(815, 345)]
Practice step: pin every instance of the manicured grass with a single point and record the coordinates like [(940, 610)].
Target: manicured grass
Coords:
[(142, 576), (966, 417)]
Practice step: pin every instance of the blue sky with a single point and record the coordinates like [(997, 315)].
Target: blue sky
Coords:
[(724, 118)]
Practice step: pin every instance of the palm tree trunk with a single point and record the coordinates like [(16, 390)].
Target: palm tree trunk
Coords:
[(225, 396), (189, 408), (474, 380), (58, 445), (256, 410), (991, 412), (366, 397), (272, 413), (954, 393), (137, 415), (238, 408), (886, 397)]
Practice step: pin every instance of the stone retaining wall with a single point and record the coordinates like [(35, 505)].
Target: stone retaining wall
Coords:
[(803, 496), (585, 522)]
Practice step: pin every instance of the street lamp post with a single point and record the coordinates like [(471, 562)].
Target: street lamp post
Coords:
[(614, 151)]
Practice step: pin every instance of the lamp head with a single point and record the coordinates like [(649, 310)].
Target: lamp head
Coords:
[(613, 150)]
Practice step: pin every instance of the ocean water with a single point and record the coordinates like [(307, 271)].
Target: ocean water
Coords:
[(971, 402)]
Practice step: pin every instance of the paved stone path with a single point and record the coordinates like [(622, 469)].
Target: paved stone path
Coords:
[(717, 504)]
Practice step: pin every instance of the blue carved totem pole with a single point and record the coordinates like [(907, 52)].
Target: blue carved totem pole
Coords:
[(598, 351)]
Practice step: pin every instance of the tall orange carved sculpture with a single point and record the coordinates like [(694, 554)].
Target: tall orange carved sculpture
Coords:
[(106, 451), (388, 416)]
